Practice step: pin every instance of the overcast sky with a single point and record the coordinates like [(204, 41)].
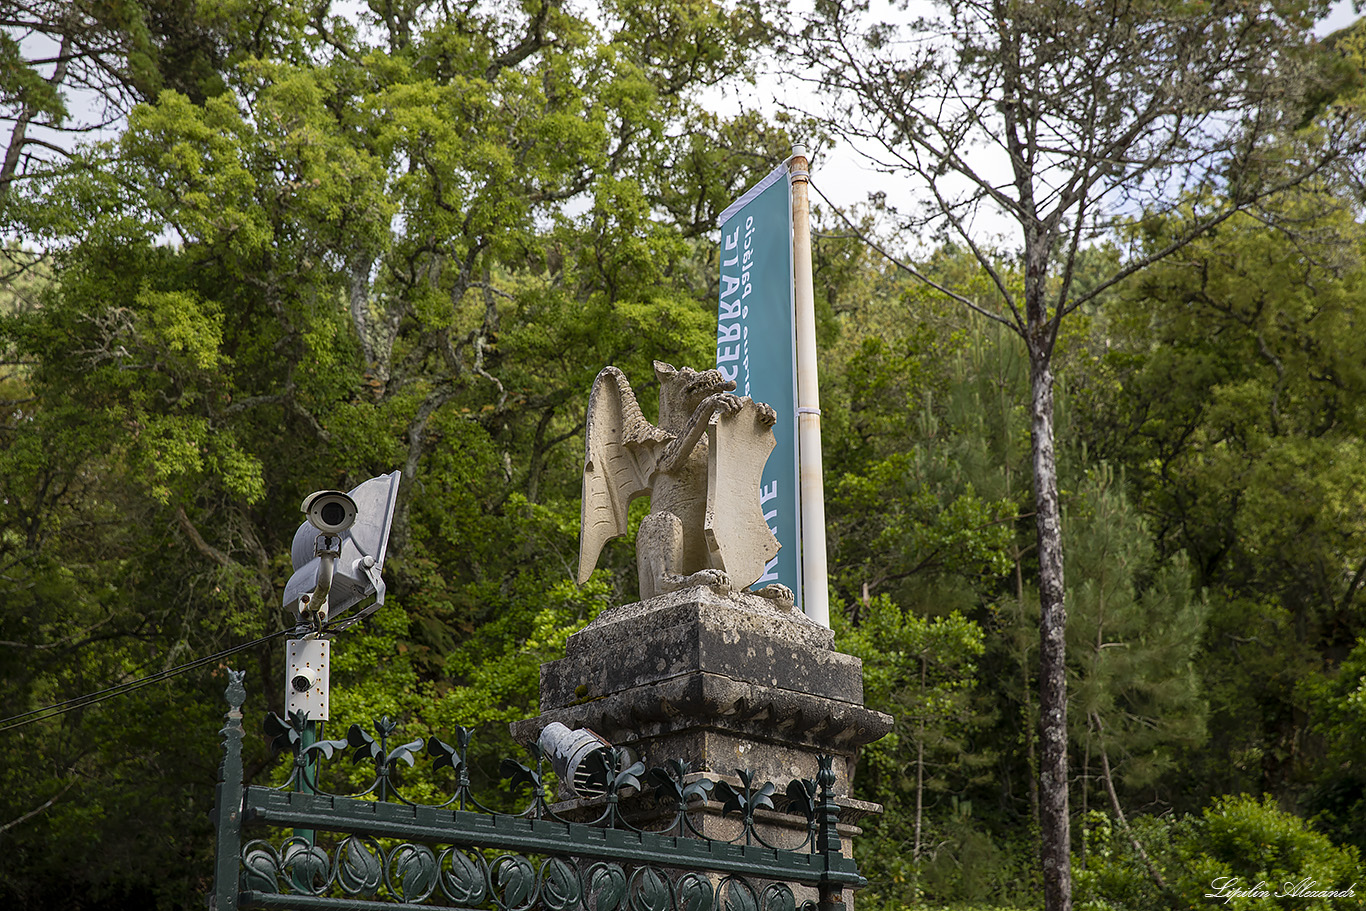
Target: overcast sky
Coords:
[(848, 180)]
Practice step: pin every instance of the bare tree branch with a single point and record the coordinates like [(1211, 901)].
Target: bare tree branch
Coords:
[(42, 807)]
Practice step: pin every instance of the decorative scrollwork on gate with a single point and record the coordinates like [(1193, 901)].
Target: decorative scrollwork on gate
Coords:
[(674, 785), (377, 848), (358, 867)]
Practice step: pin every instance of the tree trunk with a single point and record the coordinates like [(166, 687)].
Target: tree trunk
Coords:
[(9, 170), (1028, 717), (1119, 811), (919, 770), (1055, 826)]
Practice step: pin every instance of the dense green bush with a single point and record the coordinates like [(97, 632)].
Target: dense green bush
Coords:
[(1241, 852)]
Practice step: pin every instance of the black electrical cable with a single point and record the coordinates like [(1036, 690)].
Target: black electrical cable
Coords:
[(122, 689)]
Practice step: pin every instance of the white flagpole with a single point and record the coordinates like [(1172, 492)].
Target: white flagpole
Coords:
[(815, 593)]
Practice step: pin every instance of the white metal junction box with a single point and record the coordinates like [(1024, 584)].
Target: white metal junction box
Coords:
[(306, 686)]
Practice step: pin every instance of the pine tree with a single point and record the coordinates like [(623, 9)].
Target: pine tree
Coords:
[(1135, 627)]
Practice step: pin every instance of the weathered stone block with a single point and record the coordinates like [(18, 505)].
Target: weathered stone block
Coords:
[(699, 632), (723, 682)]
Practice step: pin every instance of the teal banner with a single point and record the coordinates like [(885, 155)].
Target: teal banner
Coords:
[(756, 346)]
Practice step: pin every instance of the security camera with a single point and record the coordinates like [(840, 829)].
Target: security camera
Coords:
[(303, 679), (330, 511), (338, 553)]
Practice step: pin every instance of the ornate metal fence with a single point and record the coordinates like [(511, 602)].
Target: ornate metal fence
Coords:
[(379, 850)]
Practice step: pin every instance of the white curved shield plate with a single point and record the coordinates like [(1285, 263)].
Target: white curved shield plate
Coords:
[(738, 537)]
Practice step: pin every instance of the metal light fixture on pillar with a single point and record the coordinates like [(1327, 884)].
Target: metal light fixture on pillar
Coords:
[(338, 554)]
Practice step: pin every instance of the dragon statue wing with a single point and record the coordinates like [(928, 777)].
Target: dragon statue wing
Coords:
[(621, 449)]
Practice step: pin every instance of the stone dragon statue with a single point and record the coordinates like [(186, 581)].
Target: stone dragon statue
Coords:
[(701, 467)]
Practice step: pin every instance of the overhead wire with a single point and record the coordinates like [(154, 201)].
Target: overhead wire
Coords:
[(122, 689)]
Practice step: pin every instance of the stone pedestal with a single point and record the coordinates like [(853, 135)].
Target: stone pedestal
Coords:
[(724, 683)]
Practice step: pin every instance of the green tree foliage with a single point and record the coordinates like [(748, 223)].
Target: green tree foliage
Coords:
[(72, 68), (1237, 843), (1337, 800), (923, 495), (1231, 391), (922, 671), (926, 501), (933, 508), (1093, 109), (1135, 628), (407, 240)]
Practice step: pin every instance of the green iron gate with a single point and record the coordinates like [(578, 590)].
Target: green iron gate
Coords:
[(379, 850)]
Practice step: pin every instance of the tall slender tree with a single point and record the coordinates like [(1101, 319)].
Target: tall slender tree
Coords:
[(1064, 119)]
